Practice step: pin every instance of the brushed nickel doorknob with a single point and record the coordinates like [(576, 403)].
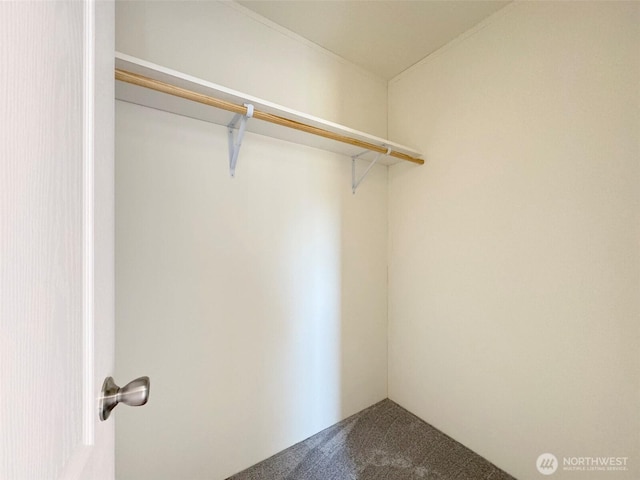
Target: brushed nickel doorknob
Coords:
[(135, 393)]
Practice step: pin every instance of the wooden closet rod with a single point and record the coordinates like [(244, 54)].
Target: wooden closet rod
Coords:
[(142, 81)]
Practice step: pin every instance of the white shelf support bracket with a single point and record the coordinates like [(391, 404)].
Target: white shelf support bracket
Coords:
[(234, 145), (355, 183)]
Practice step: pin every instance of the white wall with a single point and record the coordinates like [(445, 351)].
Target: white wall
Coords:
[(514, 259), (257, 305)]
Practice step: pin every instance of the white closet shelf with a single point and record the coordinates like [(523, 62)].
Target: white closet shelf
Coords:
[(154, 86)]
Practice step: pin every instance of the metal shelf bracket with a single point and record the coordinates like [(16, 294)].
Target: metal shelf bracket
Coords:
[(234, 145), (355, 183)]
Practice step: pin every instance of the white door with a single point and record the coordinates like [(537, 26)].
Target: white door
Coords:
[(56, 238)]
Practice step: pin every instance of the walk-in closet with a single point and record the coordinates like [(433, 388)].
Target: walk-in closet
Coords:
[(319, 240)]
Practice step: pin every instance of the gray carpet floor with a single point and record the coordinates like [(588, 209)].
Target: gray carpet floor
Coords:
[(383, 442)]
